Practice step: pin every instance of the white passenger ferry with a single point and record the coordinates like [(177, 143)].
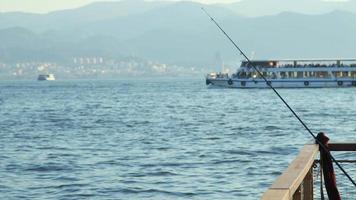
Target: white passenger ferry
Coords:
[(315, 73)]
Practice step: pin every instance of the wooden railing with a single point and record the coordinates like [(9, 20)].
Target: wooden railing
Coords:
[(296, 183)]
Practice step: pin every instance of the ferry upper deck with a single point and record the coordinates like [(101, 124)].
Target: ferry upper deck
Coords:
[(301, 63), (302, 68)]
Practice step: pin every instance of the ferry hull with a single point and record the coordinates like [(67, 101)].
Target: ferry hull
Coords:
[(242, 83)]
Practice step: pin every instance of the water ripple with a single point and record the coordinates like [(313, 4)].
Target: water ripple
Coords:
[(156, 139)]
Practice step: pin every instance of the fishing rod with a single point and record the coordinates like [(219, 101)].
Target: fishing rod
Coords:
[(281, 98)]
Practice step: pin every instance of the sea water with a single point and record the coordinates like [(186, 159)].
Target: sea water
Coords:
[(156, 138)]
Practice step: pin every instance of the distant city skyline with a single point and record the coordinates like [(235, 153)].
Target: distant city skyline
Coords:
[(45, 6)]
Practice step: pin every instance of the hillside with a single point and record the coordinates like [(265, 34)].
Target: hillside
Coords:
[(172, 33)]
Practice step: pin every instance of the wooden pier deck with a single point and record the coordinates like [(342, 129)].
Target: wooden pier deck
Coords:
[(297, 183)]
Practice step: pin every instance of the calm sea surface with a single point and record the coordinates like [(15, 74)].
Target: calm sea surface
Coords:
[(156, 138)]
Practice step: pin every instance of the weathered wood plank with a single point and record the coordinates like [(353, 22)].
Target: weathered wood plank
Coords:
[(293, 177), (276, 194), (342, 146)]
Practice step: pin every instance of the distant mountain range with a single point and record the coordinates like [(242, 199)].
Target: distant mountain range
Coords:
[(272, 7), (180, 33)]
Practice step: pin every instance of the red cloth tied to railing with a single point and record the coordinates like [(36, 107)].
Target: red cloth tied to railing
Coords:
[(328, 169)]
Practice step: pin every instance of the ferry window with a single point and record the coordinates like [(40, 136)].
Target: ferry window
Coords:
[(353, 74), (341, 74), (290, 74), (299, 74), (344, 74), (254, 75), (283, 74), (338, 74)]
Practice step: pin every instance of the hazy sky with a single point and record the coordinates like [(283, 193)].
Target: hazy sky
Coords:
[(42, 6)]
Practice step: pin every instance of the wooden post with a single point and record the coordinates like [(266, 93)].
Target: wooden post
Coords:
[(298, 193), (308, 184)]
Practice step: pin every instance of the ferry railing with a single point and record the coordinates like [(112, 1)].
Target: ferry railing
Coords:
[(301, 180)]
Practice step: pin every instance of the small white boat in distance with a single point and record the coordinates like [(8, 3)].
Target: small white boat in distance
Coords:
[(316, 73), (46, 77)]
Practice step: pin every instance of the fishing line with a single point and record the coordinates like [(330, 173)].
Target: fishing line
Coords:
[(280, 97)]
